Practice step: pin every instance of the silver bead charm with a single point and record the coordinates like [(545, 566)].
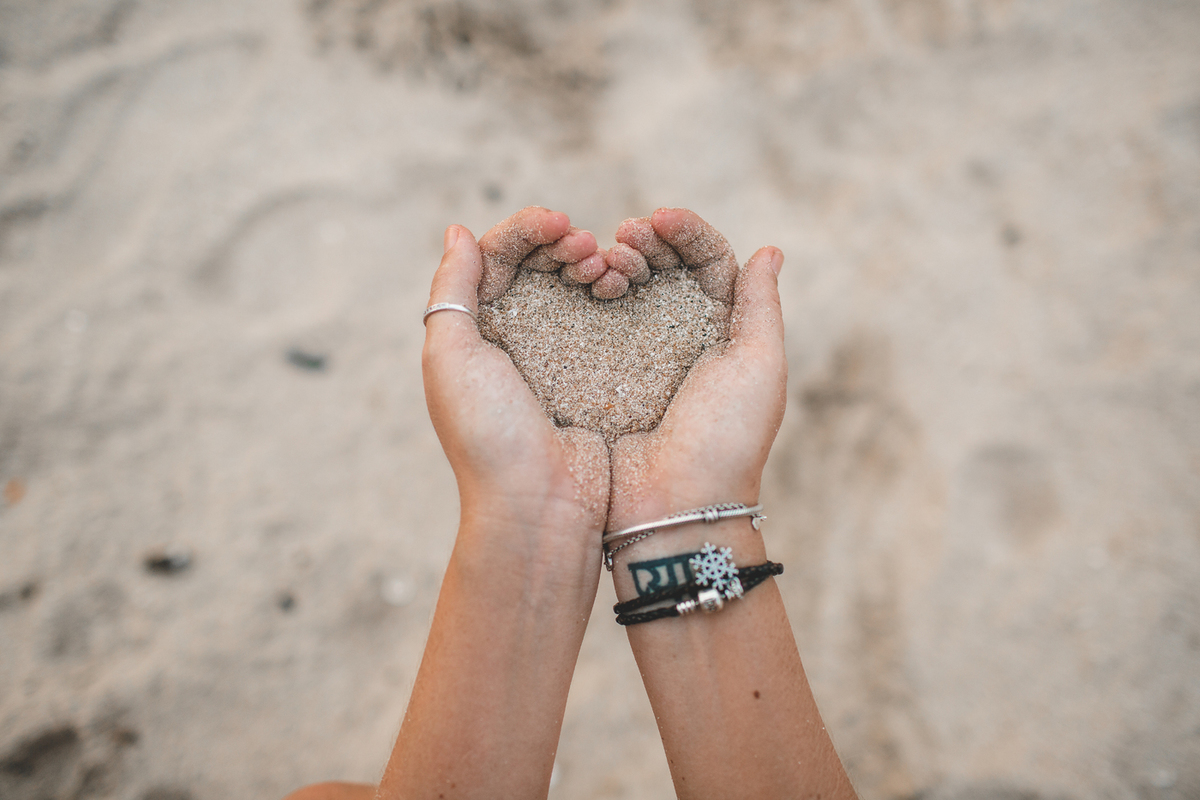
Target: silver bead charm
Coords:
[(711, 600)]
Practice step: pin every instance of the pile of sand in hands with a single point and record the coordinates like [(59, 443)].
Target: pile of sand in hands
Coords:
[(605, 338)]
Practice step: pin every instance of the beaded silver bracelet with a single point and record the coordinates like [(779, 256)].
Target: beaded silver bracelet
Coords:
[(710, 514)]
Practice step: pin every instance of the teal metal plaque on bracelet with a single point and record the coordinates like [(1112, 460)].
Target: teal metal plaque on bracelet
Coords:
[(661, 573)]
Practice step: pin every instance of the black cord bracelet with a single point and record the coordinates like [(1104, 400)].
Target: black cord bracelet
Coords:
[(706, 599), (748, 575)]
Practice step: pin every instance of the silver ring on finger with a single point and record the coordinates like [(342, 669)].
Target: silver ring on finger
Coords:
[(436, 307)]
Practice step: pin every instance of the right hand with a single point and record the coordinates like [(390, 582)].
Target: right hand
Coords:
[(712, 443)]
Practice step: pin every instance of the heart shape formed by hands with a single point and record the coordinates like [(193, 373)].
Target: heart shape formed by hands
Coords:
[(605, 340)]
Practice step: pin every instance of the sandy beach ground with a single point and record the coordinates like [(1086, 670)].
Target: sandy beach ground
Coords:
[(218, 221)]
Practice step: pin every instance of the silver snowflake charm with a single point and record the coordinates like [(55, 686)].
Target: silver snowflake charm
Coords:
[(714, 568)]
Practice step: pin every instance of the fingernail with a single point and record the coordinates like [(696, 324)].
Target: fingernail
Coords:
[(776, 260), (451, 237)]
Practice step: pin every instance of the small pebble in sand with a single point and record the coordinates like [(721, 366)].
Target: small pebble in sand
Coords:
[(169, 561), (302, 359), (607, 365)]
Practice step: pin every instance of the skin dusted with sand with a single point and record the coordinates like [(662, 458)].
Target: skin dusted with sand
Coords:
[(734, 709)]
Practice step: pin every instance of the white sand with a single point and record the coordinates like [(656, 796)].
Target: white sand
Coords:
[(606, 365), (985, 489)]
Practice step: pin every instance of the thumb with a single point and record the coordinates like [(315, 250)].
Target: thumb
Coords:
[(757, 320), (455, 281)]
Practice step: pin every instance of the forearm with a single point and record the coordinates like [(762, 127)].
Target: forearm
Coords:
[(487, 705), (734, 708)]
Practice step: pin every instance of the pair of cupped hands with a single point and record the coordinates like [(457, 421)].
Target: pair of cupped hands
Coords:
[(519, 475)]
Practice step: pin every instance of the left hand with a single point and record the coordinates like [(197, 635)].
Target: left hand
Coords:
[(519, 477)]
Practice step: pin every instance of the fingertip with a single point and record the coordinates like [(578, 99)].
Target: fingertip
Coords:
[(509, 242), (574, 245), (586, 270), (626, 226), (537, 225), (757, 314), (701, 248), (771, 256), (453, 241), (629, 262), (668, 221), (588, 238), (610, 286), (639, 233), (458, 275), (554, 225)]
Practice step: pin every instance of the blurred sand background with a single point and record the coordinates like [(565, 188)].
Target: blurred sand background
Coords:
[(986, 490)]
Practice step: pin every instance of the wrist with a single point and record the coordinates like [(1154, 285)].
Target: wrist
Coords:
[(736, 533), (565, 532), (523, 578), (548, 556), (658, 498), (540, 514)]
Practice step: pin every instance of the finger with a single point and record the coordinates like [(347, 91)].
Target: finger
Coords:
[(610, 286), (757, 320), (506, 245), (575, 246), (585, 271), (455, 281), (703, 250), (639, 234), (629, 262)]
